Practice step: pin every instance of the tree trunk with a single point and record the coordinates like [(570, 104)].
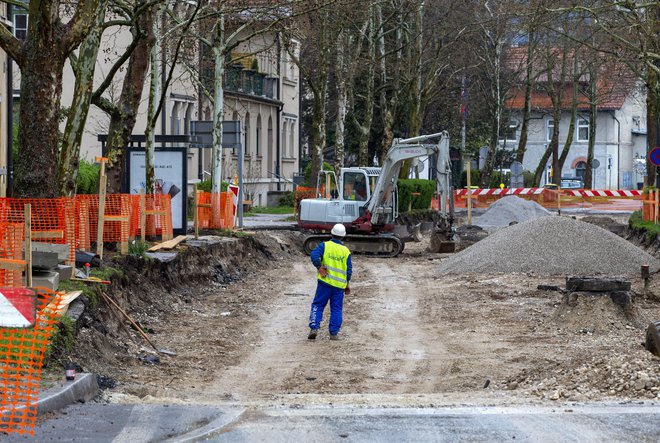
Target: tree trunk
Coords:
[(571, 123), (364, 127), (593, 118), (36, 169), (343, 79), (538, 173), (652, 122), (123, 114), (82, 95), (152, 115), (527, 108), (318, 132)]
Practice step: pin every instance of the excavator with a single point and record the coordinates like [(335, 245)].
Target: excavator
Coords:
[(365, 200)]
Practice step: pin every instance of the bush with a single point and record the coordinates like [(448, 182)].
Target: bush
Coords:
[(87, 181), (425, 188), (205, 186), (287, 199), (474, 178)]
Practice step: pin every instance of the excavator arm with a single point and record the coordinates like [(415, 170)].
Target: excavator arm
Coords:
[(382, 205)]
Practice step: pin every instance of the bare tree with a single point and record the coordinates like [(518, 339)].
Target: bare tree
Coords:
[(41, 58)]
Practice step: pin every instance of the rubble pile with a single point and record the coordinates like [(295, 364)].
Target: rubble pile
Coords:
[(508, 210), (551, 246), (618, 376)]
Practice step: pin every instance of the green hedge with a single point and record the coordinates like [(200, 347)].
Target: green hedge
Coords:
[(87, 180), (426, 189), (205, 186)]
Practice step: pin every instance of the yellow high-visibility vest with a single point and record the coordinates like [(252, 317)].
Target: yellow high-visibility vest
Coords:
[(335, 258)]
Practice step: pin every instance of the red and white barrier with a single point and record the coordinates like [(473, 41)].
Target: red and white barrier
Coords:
[(497, 191), (536, 191), (603, 193)]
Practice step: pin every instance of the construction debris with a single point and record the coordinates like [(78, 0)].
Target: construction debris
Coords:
[(551, 246)]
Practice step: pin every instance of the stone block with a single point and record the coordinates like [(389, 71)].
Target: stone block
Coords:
[(597, 284), (44, 261), (62, 251), (48, 279), (65, 271)]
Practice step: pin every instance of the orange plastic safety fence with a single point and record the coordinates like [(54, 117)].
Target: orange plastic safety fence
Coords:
[(117, 218), (53, 220), (22, 352), (11, 247), (155, 212), (215, 211)]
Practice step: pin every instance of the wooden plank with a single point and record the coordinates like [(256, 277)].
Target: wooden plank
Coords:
[(103, 182), (196, 211), (46, 234), (143, 215), (9, 264), (28, 244), (116, 218), (168, 244), (155, 212), (204, 205)]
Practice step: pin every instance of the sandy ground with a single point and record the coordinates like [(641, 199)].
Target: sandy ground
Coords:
[(410, 338)]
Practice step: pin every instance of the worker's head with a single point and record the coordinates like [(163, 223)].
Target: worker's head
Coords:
[(338, 231)]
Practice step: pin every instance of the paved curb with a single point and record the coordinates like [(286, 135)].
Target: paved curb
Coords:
[(83, 388)]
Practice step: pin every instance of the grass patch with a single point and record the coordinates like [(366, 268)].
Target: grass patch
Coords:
[(138, 248), (652, 230), (87, 290), (265, 210)]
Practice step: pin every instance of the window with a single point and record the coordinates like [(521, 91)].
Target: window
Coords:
[(292, 154), (583, 130), (258, 140), (550, 127), (355, 186), (246, 149), (20, 26), (581, 170), (510, 132)]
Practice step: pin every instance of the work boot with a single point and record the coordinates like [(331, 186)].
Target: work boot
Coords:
[(312, 334), (334, 337)]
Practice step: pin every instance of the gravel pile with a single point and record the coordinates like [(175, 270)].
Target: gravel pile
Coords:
[(622, 376), (551, 246), (510, 209)]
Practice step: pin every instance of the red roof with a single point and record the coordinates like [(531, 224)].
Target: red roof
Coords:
[(615, 83)]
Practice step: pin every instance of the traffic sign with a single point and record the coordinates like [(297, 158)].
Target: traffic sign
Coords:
[(654, 156), (17, 307)]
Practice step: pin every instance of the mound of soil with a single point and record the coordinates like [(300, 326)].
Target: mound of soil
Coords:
[(551, 246)]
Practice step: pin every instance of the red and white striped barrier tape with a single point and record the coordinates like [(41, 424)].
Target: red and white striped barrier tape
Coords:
[(497, 191), (536, 191), (603, 193)]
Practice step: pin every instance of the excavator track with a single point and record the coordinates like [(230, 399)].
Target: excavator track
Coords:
[(380, 245)]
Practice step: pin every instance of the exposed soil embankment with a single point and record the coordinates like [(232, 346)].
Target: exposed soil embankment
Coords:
[(152, 291)]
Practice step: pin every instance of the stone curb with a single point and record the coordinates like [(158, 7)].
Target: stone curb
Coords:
[(83, 388)]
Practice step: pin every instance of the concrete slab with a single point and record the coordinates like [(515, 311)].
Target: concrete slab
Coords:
[(65, 272), (83, 388), (49, 279)]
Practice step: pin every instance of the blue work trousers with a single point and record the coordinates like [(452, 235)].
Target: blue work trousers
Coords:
[(335, 296)]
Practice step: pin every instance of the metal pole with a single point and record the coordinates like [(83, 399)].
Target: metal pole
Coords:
[(241, 157)]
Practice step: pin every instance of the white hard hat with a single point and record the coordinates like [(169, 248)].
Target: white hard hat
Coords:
[(338, 230)]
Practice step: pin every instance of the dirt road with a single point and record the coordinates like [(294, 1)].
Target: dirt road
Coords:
[(409, 338)]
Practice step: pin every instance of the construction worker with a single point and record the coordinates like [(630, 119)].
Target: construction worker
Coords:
[(333, 261)]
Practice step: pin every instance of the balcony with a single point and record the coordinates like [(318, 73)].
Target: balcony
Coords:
[(247, 81)]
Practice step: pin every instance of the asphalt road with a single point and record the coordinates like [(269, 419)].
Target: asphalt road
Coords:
[(149, 423)]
